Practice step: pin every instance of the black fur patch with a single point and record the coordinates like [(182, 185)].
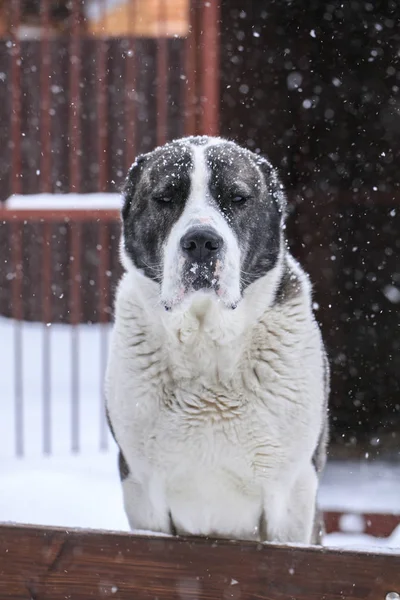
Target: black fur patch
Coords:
[(110, 424), (256, 219), (122, 464), (147, 214), (320, 454), (289, 286)]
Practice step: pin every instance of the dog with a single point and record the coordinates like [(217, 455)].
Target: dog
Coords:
[(217, 377)]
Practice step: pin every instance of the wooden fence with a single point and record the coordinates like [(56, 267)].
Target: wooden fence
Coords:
[(58, 267), (76, 108), (38, 563)]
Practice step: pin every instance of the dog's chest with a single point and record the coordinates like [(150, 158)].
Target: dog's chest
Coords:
[(213, 407)]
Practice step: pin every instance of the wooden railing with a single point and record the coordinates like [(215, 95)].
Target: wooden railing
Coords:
[(58, 266), (53, 564)]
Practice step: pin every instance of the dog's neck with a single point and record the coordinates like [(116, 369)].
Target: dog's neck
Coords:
[(202, 339), (202, 336), (201, 314)]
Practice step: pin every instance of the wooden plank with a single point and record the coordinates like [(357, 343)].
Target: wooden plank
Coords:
[(54, 564), (375, 524), (59, 216), (5, 116)]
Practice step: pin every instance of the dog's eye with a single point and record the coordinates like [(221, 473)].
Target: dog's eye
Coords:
[(238, 199), (163, 198)]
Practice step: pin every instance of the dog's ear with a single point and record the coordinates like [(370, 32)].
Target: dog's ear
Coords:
[(131, 181), (274, 185)]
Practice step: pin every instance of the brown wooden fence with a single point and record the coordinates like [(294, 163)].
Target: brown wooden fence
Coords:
[(76, 108), (59, 266), (54, 564)]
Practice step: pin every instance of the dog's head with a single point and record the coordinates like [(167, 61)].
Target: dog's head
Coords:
[(202, 215)]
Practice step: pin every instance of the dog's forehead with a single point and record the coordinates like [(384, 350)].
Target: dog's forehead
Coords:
[(224, 161), (229, 162), (172, 160)]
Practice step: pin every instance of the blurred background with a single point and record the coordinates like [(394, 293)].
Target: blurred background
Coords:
[(85, 85)]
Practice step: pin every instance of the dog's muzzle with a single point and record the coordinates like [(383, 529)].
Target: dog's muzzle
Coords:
[(201, 247)]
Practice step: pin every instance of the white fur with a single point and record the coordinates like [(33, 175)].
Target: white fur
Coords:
[(199, 211), (217, 412)]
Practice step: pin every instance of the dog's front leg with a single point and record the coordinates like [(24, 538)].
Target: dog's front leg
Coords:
[(290, 515), (146, 509)]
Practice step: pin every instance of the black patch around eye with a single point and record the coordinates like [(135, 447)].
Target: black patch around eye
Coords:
[(256, 224), (163, 198), (155, 197), (239, 199), (131, 181), (173, 194)]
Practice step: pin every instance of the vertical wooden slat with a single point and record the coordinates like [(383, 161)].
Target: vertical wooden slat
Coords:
[(46, 317), (18, 315), (75, 318), (45, 181), (45, 119), (102, 124), (130, 91), (103, 303), (75, 100), (190, 97), (75, 181), (162, 74), (16, 100), (16, 228), (102, 226), (210, 67)]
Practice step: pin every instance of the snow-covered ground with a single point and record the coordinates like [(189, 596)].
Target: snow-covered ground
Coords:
[(83, 490), (85, 343)]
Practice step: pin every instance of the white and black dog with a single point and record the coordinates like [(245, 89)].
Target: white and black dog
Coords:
[(217, 380)]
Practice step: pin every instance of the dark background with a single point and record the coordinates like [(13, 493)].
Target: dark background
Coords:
[(316, 86)]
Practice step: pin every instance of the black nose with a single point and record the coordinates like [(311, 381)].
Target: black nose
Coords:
[(200, 244)]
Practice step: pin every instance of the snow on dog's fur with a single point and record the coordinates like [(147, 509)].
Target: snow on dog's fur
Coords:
[(217, 378)]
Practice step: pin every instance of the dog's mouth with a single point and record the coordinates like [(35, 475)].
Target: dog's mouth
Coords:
[(201, 283), (200, 277)]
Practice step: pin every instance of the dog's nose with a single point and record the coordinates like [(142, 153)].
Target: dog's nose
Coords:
[(200, 244)]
